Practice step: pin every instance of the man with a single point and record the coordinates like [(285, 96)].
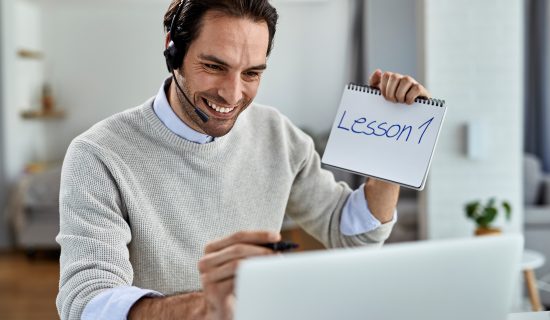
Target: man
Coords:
[(160, 203)]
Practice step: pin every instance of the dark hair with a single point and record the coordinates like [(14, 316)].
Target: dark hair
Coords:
[(190, 19)]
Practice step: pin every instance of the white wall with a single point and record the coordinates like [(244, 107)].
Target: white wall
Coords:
[(473, 58), (102, 58), (22, 80)]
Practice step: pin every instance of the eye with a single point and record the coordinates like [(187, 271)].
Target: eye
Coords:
[(213, 67), (252, 74)]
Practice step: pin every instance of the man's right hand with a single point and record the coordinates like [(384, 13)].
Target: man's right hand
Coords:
[(219, 265)]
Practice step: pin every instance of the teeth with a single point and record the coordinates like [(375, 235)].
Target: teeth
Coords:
[(219, 109)]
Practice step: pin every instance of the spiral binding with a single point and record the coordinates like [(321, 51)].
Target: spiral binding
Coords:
[(376, 91)]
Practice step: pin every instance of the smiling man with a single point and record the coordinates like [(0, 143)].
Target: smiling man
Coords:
[(159, 203)]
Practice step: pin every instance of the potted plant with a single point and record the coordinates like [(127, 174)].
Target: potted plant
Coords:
[(484, 215)]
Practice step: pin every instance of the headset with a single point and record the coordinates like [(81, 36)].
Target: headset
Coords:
[(174, 59)]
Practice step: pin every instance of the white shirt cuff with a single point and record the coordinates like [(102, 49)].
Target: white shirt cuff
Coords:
[(356, 216), (115, 303)]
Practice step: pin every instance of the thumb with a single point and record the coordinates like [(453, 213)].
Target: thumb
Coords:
[(374, 80)]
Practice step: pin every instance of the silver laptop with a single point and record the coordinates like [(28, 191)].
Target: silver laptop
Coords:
[(458, 279)]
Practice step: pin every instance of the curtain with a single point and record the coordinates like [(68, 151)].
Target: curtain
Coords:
[(358, 43), (537, 90), (358, 61)]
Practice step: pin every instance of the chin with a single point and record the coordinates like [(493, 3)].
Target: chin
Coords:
[(219, 131)]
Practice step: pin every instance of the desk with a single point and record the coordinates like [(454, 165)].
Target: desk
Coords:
[(529, 316), (530, 261)]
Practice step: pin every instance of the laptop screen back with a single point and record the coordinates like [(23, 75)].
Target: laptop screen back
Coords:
[(450, 279)]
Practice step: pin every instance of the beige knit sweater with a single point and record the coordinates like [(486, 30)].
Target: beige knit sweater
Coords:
[(138, 203)]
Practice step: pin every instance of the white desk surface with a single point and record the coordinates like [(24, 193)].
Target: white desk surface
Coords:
[(529, 316)]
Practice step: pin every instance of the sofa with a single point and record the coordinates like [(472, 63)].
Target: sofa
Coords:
[(34, 209)]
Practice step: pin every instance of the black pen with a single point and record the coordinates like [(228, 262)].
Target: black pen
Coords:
[(281, 246)]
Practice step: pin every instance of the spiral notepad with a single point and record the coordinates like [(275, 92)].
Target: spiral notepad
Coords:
[(390, 141)]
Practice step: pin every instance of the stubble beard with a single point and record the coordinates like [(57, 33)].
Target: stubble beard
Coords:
[(213, 127)]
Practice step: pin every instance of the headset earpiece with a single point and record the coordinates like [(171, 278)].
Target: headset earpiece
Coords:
[(173, 55)]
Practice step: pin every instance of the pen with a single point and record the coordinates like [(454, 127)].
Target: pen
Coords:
[(281, 246)]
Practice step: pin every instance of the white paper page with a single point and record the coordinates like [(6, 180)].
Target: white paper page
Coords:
[(374, 137)]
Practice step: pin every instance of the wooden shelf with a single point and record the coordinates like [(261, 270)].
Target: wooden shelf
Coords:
[(39, 114), (30, 54)]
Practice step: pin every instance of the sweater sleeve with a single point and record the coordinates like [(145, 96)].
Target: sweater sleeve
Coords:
[(317, 201), (93, 231)]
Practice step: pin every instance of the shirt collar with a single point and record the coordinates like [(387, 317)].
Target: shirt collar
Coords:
[(168, 117)]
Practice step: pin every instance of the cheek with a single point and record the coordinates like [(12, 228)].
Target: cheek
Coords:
[(204, 81), (251, 89)]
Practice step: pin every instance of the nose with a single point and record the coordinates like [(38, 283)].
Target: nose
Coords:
[(231, 89)]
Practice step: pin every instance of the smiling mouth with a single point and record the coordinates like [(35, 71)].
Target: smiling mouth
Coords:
[(213, 106)]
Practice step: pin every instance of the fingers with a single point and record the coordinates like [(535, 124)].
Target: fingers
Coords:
[(384, 83), (401, 89), (392, 87), (250, 237), (375, 78), (224, 287), (414, 92), (227, 255), (222, 257), (224, 272)]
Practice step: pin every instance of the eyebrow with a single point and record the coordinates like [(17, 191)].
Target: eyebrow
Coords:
[(225, 64)]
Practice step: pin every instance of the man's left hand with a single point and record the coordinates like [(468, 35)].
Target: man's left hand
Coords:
[(396, 87)]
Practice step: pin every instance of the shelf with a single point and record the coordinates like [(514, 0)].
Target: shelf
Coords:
[(30, 54), (39, 114)]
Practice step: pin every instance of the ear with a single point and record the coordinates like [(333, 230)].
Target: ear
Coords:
[(167, 40)]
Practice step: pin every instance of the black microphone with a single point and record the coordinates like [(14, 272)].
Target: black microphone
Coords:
[(204, 117)]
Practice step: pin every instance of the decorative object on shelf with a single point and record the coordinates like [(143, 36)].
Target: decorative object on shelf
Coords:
[(48, 103), (30, 54), (47, 110), (484, 215)]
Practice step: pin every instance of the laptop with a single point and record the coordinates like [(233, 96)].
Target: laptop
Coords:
[(456, 279)]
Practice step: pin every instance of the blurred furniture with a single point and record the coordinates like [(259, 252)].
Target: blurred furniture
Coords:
[(530, 261), (34, 209), (536, 186)]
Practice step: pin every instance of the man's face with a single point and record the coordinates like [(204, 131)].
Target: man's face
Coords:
[(221, 71)]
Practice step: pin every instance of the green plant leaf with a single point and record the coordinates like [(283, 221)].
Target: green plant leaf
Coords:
[(490, 214), (486, 217), (507, 209), (483, 222), (471, 209)]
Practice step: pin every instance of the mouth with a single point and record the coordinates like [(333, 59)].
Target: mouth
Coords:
[(219, 111)]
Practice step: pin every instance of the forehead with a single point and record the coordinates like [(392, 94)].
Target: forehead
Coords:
[(235, 40)]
